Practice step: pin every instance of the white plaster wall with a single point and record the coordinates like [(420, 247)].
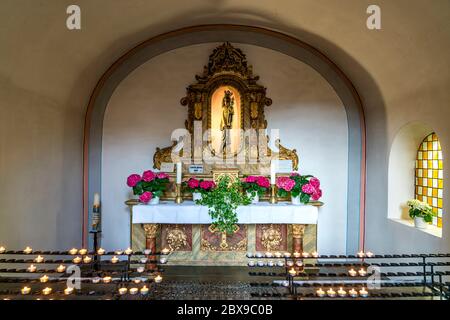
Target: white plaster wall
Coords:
[(145, 109)]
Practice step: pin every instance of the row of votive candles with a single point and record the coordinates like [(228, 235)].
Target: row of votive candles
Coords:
[(100, 251), (282, 254), (270, 263), (342, 293)]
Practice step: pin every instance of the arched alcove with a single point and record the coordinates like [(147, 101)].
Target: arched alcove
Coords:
[(402, 175), (282, 43)]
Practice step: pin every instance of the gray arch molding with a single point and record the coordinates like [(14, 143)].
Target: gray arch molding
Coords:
[(235, 34)]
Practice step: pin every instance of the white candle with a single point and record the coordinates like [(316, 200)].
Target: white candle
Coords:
[(107, 279), (73, 251), (251, 263), (68, 290), (278, 254), (144, 290), (96, 280), (315, 254), (76, 260), (47, 291), (342, 293), (363, 292), (362, 272), (114, 259), (158, 279), (361, 254), (352, 272), (165, 251), (320, 292), (2, 249), (163, 260), (369, 254), (44, 278), (140, 269), (353, 293), (331, 293), (87, 259), (27, 250), (31, 268), (273, 172), (96, 199), (292, 272), (101, 251), (82, 251), (123, 290), (25, 290), (39, 259), (134, 290), (179, 168), (137, 281), (61, 268), (269, 254), (128, 251), (296, 254), (305, 254), (119, 252)]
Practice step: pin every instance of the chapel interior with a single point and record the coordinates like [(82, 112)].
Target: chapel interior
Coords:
[(288, 150)]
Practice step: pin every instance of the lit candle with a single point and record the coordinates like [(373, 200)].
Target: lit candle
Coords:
[(320, 292), (96, 280), (2, 249), (31, 268), (305, 254), (315, 254), (61, 268), (128, 251), (44, 278), (298, 263), (353, 293), (292, 272), (114, 259), (287, 255), (331, 293), (179, 173), (101, 251), (46, 291), (144, 290), (96, 199), (280, 263), (369, 254), (140, 269), (290, 263), (68, 290), (27, 250), (158, 279), (165, 251), (122, 291), (342, 293), (134, 290), (119, 252), (137, 281), (25, 290), (163, 260), (362, 272), (107, 279), (87, 259), (76, 260), (82, 251), (269, 254), (296, 254), (73, 251), (39, 259), (363, 292), (361, 254), (352, 272), (278, 254)]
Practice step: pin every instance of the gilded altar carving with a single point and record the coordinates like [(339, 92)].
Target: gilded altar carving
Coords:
[(284, 154), (163, 155), (151, 230), (271, 237), (213, 240), (176, 238), (298, 230)]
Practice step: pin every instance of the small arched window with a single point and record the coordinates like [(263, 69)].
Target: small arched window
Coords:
[(430, 175)]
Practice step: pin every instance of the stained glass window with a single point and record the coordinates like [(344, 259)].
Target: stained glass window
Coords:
[(430, 175)]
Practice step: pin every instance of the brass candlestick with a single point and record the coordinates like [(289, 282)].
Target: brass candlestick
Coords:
[(178, 198), (273, 195)]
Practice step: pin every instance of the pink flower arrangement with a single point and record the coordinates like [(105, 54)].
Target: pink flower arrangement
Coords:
[(255, 185), (285, 183), (199, 185), (148, 186)]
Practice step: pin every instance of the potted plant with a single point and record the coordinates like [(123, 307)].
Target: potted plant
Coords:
[(198, 187), (301, 188), (150, 186), (222, 202), (421, 212), (255, 187)]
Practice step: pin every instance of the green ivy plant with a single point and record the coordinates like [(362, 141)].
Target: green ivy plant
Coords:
[(223, 202)]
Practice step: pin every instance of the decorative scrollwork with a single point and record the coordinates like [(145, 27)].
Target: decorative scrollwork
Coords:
[(151, 230), (271, 237), (176, 238), (298, 230)]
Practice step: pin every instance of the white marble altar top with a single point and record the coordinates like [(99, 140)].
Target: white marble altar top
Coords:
[(190, 213)]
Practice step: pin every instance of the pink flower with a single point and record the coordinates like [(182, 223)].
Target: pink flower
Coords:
[(251, 179), (146, 197), (133, 180), (207, 184), (315, 182), (308, 189), (193, 183), (285, 183), (162, 175), (263, 182), (295, 174), (317, 195), (148, 176)]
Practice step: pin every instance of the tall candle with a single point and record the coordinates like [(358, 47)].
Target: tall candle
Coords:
[(179, 168), (272, 171), (96, 199)]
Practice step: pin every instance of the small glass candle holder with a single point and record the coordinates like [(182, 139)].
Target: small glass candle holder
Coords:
[(144, 290), (352, 273), (133, 291), (27, 250), (87, 259), (31, 268), (251, 263), (353, 293), (43, 279), (158, 279), (107, 279), (25, 290), (331, 293), (320, 293), (101, 251), (342, 293), (128, 251), (76, 260), (362, 272), (39, 259), (363, 293), (46, 291), (61, 268), (68, 290), (114, 259), (140, 269), (82, 251), (2, 249), (73, 251), (123, 291)]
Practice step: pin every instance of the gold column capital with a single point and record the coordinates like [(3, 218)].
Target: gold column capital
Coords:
[(298, 230), (151, 230)]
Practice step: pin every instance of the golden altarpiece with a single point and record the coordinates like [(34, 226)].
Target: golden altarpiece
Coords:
[(226, 114)]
